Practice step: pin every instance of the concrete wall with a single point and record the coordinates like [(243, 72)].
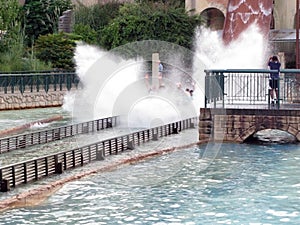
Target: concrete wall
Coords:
[(31, 100), (284, 10), (198, 6), (284, 14)]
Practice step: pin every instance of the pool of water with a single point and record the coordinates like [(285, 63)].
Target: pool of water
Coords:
[(13, 118), (241, 184)]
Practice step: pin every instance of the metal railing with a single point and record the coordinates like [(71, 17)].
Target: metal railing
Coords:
[(32, 170), (35, 81), (59, 133), (225, 88)]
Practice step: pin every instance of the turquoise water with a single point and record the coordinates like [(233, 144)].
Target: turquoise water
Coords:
[(14, 118), (243, 184)]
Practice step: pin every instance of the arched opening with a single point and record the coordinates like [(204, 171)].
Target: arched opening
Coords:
[(269, 136), (213, 18)]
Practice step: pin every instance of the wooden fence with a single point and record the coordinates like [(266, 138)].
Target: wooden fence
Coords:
[(59, 133), (35, 169)]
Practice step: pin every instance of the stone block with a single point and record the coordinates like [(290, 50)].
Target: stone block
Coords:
[(205, 130), (204, 137), (293, 119), (281, 119), (292, 130), (205, 124), (220, 118), (246, 118), (243, 125), (205, 114), (220, 136)]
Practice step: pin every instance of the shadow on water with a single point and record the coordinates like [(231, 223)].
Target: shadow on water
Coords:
[(271, 136)]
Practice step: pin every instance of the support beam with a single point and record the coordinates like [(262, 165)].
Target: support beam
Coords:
[(155, 63)]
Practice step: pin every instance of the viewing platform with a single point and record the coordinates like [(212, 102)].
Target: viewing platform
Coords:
[(238, 104)]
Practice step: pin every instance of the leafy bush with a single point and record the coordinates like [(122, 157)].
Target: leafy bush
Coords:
[(57, 49), (41, 17), (87, 34), (155, 21), (90, 20)]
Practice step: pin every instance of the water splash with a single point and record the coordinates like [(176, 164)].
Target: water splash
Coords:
[(115, 86), (249, 51)]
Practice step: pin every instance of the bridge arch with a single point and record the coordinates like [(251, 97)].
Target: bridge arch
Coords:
[(289, 137), (236, 125)]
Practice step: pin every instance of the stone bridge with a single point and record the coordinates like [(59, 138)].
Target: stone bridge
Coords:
[(236, 125)]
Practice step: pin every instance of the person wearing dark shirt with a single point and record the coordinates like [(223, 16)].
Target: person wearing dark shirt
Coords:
[(274, 64)]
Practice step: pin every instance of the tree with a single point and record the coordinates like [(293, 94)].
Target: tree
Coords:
[(90, 20), (9, 23), (137, 22), (57, 49), (174, 3), (9, 11), (41, 17)]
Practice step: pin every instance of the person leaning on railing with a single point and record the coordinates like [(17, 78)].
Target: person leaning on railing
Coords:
[(274, 64)]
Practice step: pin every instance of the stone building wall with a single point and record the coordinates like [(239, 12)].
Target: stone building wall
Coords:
[(31, 100), (236, 125)]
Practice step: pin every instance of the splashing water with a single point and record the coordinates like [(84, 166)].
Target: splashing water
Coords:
[(249, 51), (115, 86)]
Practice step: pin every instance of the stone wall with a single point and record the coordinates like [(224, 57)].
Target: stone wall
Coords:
[(236, 125), (29, 100)]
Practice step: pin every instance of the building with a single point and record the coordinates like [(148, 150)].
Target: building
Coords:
[(282, 27)]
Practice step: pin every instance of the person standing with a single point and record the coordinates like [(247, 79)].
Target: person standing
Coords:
[(160, 73), (274, 64)]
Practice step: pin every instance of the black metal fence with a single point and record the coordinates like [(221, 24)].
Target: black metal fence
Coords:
[(248, 87), (59, 133), (32, 170), (35, 81)]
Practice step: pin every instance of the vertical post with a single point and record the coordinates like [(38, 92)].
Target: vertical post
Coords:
[(4, 185), (297, 35), (278, 100), (155, 63)]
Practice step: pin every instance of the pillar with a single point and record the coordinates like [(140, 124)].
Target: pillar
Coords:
[(155, 63)]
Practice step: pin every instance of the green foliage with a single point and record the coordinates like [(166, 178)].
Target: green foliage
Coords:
[(97, 16), (57, 49), (9, 11), (90, 21), (87, 34), (14, 56), (138, 22), (174, 3), (41, 17), (9, 23)]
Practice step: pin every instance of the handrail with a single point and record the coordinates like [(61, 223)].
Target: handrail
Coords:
[(45, 136), (248, 86), (36, 81), (239, 71), (44, 166), (35, 72)]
